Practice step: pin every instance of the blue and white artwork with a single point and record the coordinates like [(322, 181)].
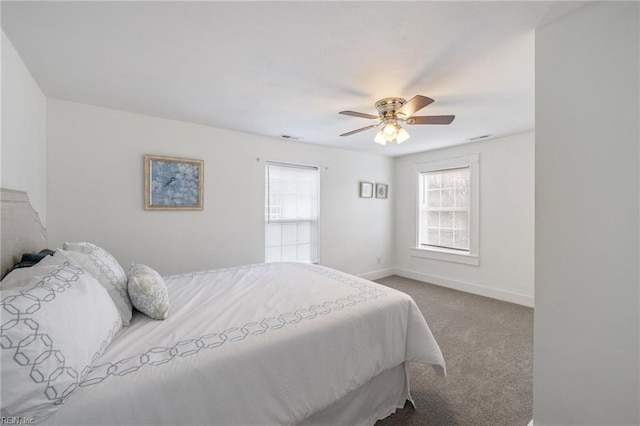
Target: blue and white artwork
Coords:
[(175, 183)]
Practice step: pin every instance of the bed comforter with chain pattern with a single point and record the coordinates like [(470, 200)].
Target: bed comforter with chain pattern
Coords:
[(254, 345)]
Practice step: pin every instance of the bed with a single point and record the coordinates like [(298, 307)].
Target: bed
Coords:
[(264, 344)]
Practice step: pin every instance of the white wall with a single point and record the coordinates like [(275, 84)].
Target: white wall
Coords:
[(95, 161), (506, 221), (23, 142), (587, 213)]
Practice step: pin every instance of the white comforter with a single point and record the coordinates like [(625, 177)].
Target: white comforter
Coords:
[(254, 345)]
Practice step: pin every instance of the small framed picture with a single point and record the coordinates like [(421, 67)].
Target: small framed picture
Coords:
[(366, 189), (172, 183), (381, 190)]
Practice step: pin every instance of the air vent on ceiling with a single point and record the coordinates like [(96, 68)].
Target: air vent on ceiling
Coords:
[(290, 137), (477, 138)]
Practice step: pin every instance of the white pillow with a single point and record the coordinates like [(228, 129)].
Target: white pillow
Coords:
[(102, 265), (56, 322), (148, 292), (104, 256)]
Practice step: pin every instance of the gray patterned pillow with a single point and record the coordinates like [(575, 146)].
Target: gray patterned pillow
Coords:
[(148, 292), (102, 265)]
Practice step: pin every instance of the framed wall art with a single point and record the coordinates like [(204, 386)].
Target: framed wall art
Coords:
[(381, 190), (172, 183), (366, 189)]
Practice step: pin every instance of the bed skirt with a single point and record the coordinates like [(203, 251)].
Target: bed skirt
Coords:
[(373, 401)]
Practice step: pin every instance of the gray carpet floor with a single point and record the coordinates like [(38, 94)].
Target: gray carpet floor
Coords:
[(488, 347)]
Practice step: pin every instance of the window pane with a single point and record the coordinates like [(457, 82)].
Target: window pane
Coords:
[(289, 233), (461, 220), (446, 219), (272, 254), (430, 238), (434, 180), (446, 238), (289, 253), (461, 198), (461, 240), (447, 198), (273, 242), (303, 252), (433, 218), (433, 198), (304, 232), (449, 179)]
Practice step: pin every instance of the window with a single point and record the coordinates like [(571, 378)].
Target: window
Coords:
[(445, 209), (291, 213), (448, 210)]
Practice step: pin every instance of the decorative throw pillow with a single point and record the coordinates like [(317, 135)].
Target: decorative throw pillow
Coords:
[(148, 292), (105, 268), (56, 322)]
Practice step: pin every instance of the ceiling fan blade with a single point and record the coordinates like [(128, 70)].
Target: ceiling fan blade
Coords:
[(359, 114), (414, 104), (360, 130), (431, 119)]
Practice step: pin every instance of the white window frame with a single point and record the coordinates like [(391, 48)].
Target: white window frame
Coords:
[(472, 257), (316, 258)]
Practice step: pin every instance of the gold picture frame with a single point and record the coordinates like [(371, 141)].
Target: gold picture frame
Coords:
[(173, 183)]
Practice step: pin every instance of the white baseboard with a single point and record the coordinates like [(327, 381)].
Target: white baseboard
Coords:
[(530, 423), (507, 296), (376, 275)]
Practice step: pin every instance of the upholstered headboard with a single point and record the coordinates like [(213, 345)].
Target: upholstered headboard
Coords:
[(20, 228)]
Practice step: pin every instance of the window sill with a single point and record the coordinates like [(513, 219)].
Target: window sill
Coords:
[(445, 255)]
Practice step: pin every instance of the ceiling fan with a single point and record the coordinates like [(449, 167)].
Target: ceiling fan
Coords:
[(392, 111)]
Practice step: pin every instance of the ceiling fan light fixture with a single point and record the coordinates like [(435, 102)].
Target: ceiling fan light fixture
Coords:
[(402, 136), (390, 131), (380, 138)]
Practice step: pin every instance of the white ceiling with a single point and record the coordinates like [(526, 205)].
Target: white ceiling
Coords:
[(274, 68)]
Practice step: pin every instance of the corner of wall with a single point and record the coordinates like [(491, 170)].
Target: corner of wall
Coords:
[(23, 128)]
